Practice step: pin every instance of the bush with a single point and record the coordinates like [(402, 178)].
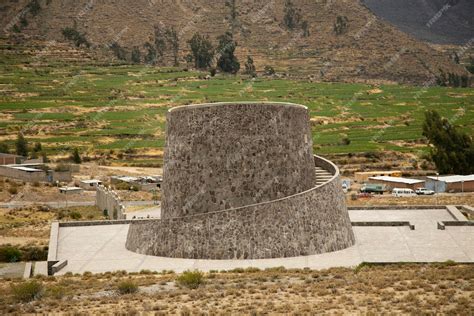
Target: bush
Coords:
[(57, 292), (190, 279), (13, 190), (268, 70), (127, 287), (34, 253), (27, 291), (74, 35), (75, 215), (9, 254)]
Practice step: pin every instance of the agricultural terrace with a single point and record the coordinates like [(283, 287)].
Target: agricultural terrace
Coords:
[(99, 107)]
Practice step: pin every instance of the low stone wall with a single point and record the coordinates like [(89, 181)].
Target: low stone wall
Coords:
[(109, 200), (314, 221)]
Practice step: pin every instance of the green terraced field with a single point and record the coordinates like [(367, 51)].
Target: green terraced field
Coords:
[(124, 106)]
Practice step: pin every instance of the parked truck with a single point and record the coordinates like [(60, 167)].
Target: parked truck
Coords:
[(372, 188)]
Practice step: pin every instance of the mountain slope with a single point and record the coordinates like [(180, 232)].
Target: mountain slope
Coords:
[(370, 49), (436, 21)]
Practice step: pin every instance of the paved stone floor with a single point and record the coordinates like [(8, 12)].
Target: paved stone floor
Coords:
[(102, 248)]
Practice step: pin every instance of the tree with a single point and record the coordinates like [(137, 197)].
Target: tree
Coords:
[(470, 67), (201, 50), (233, 12), (44, 156), (305, 28), (119, 51), (160, 42), (173, 40), (37, 148), (21, 145), (136, 58), (341, 26), (227, 61), (452, 151), (292, 16), (4, 148), (70, 33), (76, 157), (150, 57), (250, 67)]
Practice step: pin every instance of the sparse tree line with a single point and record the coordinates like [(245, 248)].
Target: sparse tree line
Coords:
[(23, 148)]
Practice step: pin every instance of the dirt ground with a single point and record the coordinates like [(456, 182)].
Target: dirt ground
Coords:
[(437, 199), (399, 288)]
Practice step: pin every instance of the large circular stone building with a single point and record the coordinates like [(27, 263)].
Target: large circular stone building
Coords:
[(240, 182)]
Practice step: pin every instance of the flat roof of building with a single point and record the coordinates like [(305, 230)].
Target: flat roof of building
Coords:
[(91, 181), (70, 189), (27, 169), (397, 179), (377, 172), (453, 179)]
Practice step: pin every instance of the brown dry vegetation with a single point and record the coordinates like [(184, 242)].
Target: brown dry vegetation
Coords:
[(399, 288), (439, 199), (30, 225)]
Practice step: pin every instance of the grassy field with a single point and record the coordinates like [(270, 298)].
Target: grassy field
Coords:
[(97, 108)]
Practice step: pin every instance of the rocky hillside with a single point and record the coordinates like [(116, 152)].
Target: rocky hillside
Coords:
[(436, 21), (363, 48)]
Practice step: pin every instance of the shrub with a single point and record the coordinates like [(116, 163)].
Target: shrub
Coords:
[(27, 291), (9, 254), (57, 292), (13, 190), (190, 279), (34, 253), (268, 70), (75, 215), (74, 35), (127, 287)]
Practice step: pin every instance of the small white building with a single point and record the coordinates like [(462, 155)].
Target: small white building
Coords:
[(89, 185), (451, 183), (398, 182), (70, 190)]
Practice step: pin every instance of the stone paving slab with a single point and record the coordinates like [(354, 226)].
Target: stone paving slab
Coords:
[(102, 248)]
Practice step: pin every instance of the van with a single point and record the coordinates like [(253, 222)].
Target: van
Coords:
[(397, 192)]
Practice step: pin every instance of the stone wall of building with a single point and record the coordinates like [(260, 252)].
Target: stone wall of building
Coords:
[(37, 176), (221, 156), (109, 200), (311, 222)]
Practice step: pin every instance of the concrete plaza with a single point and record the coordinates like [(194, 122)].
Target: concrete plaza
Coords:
[(101, 248)]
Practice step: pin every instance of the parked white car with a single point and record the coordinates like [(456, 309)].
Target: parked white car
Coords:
[(424, 191), (398, 192)]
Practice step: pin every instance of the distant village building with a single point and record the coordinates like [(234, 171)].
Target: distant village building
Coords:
[(451, 183), (70, 190), (144, 183), (10, 159), (34, 172), (364, 176), (89, 185), (398, 182)]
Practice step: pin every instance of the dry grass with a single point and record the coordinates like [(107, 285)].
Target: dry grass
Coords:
[(398, 288)]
